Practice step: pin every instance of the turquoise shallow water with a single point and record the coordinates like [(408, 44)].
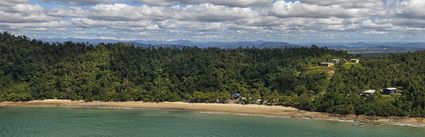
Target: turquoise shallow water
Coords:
[(80, 122)]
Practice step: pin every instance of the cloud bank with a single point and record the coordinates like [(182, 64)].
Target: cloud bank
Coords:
[(222, 20)]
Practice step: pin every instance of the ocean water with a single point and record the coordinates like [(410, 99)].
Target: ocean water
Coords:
[(84, 122)]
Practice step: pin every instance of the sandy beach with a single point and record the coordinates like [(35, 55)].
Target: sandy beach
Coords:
[(276, 111)]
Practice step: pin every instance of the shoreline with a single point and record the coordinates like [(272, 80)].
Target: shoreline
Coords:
[(259, 110)]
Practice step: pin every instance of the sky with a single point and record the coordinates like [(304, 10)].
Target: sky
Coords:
[(218, 20)]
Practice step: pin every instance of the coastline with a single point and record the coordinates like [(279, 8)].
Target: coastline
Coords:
[(262, 110)]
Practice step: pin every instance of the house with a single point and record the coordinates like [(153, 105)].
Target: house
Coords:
[(368, 93), (390, 90), (236, 96), (327, 64), (336, 61), (355, 61)]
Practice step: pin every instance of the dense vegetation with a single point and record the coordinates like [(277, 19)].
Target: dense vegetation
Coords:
[(31, 69)]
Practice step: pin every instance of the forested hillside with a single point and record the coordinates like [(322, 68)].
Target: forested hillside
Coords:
[(31, 69)]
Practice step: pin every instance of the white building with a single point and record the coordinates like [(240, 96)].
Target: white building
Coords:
[(336, 61), (355, 61), (370, 91)]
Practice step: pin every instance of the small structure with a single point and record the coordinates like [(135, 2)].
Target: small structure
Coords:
[(355, 61), (327, 64), (258, 101), (336, 61), (390, 90), (368, 93), (236, 96)]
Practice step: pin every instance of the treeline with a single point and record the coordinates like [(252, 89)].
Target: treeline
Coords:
[(31, 69)]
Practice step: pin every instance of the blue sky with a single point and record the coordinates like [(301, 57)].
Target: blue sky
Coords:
[(217, 20)]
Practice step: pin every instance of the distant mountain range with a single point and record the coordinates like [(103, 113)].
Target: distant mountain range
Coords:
[(185, 43), (369, 48), (251, 44), (374, 44), (238, 44)]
